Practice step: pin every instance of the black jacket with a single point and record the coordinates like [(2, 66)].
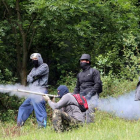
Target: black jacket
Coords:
[(88, 82), (137, 92)]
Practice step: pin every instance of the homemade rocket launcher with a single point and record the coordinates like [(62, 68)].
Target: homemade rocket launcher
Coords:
[(28, 92)]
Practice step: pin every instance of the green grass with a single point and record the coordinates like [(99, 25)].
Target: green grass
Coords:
[(106, 127)]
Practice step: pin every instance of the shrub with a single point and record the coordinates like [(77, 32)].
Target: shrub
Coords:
[(112, 84), (8, 104)]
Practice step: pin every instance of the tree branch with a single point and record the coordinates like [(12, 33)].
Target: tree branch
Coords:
[(19, 17), (6, 6), (15, 32), (29, 46), (31, 23), (9, 13)]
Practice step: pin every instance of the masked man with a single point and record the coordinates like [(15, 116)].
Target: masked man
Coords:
[(38, 77), (89, 85), (66, 112)]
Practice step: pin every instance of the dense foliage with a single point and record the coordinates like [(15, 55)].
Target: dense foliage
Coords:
[(63, 30)]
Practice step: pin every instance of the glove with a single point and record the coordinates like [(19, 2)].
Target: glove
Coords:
[(88, 96), (52, 99), (29, 79), (46, 97)]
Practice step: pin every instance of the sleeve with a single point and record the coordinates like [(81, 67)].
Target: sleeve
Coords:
[(61, 103), (77, 88), (41, 70), (97, 84), (138, 82), (30, 77)]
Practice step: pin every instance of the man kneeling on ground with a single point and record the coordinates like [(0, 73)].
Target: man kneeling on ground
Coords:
[(66, 113)]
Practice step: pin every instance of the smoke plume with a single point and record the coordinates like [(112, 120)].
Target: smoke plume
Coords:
[(124, 106), (12, 90)]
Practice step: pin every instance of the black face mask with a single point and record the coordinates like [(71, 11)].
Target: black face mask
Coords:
[(35, 62), (84, 65)]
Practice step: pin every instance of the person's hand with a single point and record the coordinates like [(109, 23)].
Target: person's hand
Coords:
[(46, 97), (30, 79), (88, 96), (52, 99)]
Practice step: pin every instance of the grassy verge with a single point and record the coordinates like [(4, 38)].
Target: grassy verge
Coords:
[(106, 127)]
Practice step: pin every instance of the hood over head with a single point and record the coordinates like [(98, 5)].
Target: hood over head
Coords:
[(38, 57), (62, 90)]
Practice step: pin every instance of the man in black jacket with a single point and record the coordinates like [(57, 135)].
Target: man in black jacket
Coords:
[(89, 85)]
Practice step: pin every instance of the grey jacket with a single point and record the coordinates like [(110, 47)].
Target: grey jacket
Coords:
[(39, 76), (69, 105)]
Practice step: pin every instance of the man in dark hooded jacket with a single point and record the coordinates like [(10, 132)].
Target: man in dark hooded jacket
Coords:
[(89, 85), (66, 112), (38, 77)]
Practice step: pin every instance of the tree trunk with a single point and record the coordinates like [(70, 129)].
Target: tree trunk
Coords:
[(18, 59), (24, 61), (22, 51), (23, 72)]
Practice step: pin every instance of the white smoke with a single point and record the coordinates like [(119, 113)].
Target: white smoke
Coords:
[(124, 106), (12, 90)]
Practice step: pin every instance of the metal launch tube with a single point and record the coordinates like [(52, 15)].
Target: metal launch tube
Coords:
[(30, 92)]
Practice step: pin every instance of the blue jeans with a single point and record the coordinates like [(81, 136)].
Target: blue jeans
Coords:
[(37, 103)]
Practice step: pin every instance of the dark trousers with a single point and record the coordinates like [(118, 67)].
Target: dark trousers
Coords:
[(92, 105), (63, 122)]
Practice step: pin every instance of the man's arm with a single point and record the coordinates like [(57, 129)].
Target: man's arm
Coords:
[(61, 103), (77, 88), (41, 70), (30, 77), (37, 73), (97, 84), (97, 81)]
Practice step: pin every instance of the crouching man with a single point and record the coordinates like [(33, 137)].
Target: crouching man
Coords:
[(66, 113)]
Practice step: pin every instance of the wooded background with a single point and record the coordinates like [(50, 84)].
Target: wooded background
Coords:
[(61, 30)]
